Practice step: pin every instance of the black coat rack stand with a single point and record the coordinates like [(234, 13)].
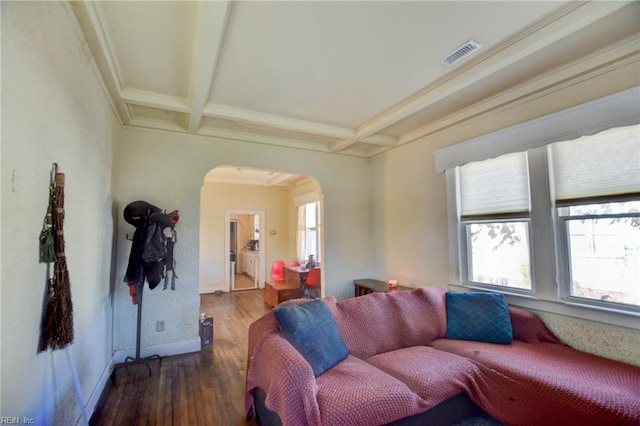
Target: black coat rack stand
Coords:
[(137, 360)]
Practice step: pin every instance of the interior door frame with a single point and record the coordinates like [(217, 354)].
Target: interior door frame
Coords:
[(231, 222), (227, 245)]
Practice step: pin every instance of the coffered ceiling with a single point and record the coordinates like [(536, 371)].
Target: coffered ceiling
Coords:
[(348, 77)]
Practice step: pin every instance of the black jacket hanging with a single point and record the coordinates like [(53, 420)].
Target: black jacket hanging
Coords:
[(149, 254)]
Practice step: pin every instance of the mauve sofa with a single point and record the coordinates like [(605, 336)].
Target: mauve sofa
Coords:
[(401, 369)]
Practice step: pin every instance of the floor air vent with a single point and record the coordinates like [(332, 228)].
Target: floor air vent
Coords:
[(461, 52)]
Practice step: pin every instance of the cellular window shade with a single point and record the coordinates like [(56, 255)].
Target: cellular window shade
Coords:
[(498, 186), (602, 166)]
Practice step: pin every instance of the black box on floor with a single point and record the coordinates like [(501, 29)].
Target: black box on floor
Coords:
[(206, 331)]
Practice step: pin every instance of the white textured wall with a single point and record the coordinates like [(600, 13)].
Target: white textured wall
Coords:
[(219, 197), (409, 218), (167, 169), (409, 208), (53, 110)]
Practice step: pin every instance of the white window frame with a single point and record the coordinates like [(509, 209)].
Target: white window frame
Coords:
[(467, 271), (299, 202), (548, 261), (564, 269)]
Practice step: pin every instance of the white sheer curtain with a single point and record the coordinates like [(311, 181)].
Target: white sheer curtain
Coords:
[(301, 237)]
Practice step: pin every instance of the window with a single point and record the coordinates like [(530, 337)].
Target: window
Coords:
[(548, 211), (494, 211), (602, 244), (595, 181), (256, 226), (595, 186), (499, 253), (309, 231)]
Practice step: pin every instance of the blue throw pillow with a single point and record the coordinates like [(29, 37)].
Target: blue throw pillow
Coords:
[(313, 331), (483, 317)]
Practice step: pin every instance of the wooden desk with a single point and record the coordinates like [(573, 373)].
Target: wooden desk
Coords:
[(367, 286)]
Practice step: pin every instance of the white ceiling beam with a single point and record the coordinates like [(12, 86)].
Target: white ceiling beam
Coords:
[(102, 33), (272, 140), (154, 100), (568, 20), (151, 123), (342, 144), (287, 123), (379, 140), (570, 74), (278, 178), (213, 22)]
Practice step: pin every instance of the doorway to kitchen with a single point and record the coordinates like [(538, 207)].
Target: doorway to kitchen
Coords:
[(244, 251), (271, 198)]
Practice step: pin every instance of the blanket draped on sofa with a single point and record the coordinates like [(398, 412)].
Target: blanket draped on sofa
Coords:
[(400, 364)]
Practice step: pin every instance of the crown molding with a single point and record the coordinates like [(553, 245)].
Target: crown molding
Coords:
[(620, 54), (214, 132), (89, 17), (154, 100), (96, 15), (73, 14), (273, 140), (290, 124), (154, 124), (573, 17)]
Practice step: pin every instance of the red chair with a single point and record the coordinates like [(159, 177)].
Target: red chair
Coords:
[(312, 283), (294, 263), (277, 270)]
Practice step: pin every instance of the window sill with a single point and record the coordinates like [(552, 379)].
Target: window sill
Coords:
[(604, 315)]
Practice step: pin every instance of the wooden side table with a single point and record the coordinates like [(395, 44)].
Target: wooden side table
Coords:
[(367, 286), (277, 292)]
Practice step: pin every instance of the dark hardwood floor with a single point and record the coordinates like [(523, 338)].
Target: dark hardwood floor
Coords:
[(203, 388)]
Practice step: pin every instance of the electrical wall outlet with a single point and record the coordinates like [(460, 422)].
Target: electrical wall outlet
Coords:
[(159, 325)]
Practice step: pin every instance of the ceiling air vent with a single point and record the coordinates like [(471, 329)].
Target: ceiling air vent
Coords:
[(461, 52)]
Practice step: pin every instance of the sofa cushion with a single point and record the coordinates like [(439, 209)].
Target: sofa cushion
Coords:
[(313, 331), (383, 322), (432, 374), (482, 317), (355, 393)]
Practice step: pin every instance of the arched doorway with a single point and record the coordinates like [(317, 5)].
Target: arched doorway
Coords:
[(227, 193)]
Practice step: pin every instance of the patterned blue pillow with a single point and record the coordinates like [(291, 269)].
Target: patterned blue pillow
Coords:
[(313, 331), (483, 317)]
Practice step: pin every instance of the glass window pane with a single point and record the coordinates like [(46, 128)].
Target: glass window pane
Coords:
[(310, 247), (604, 258), (499, 254), (310, 216), (605, 208), (308, 230)]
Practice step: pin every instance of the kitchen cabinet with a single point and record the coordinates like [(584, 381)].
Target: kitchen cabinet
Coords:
[(251, 266)]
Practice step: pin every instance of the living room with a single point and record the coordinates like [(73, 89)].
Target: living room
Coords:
[(385, 215)]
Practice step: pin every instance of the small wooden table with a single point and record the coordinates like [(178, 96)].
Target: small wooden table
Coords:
[(277, 292), (295, 274), (367, 286)]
